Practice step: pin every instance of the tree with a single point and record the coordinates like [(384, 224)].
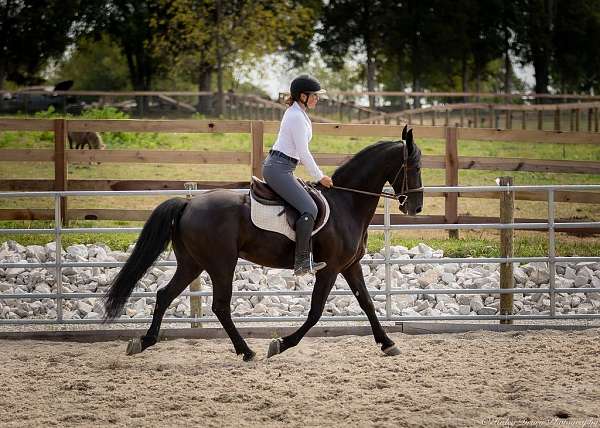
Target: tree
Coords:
[(486, 35), (354, 27), (534, 26), (128, 24), (417, 43), (95, 65), (31, 33), (210, 35), (575, 59)]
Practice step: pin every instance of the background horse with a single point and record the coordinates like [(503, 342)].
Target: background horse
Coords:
[(210, 231)]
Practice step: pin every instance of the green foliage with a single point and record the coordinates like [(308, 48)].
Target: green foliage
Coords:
[(29, 38), (95, 65), (114, 140)]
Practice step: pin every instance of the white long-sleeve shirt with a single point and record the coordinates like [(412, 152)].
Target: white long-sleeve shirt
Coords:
[(294, 136)]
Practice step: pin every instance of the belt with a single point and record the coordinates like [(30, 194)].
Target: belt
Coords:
[(284, 156)]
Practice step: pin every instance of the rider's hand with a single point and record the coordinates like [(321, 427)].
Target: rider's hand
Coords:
[(326, 181)]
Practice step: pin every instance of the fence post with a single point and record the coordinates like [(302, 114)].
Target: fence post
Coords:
[(577, 114), (590, 115), (557, 119), (195, 285), (507, 204), (540, 115), (451, 199), (61, 163), (596, 119), (492, 115), (256, 151), (524, 119)]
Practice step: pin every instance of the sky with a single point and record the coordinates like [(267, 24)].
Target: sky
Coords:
[(275, 76)]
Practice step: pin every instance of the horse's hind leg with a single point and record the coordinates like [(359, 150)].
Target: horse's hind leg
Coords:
[(221, 274), (187, 271)]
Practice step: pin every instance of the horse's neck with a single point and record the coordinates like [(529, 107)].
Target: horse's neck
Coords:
[(371, 178)]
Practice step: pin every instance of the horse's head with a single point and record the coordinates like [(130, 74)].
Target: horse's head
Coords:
[(406, 176)]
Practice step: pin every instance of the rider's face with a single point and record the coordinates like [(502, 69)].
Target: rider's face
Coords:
[(311, 100)]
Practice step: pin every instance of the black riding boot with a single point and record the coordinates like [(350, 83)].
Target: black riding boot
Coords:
[(303, 262)]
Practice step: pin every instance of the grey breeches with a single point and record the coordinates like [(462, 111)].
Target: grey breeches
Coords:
[(279, 174)]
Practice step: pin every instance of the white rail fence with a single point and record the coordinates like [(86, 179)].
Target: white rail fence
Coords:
[(389, 291)]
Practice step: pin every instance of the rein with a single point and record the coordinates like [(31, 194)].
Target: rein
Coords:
[(402, 196)]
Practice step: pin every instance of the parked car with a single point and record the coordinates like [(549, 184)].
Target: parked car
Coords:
[(39, 98)]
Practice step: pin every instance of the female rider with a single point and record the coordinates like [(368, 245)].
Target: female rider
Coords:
[(290, 148)]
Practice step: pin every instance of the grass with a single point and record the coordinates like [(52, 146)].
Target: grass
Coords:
[(471, 244)]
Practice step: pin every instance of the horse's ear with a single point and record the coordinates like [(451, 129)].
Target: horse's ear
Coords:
[(404, 132), (410, 140)]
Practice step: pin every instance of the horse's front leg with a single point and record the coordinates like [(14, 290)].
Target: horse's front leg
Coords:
[(323, 285), (356, 281)]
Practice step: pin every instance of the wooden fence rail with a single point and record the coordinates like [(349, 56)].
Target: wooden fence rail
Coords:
[(451, 162)]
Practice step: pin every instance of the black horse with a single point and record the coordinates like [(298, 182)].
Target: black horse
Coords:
[(210, 231)]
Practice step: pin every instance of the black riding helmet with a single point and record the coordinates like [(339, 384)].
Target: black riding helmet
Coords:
[(305, 84)]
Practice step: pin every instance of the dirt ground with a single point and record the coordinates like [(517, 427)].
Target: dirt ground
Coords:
[(543, 378)]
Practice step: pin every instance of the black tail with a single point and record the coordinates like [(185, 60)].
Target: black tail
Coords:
[(153, 240)]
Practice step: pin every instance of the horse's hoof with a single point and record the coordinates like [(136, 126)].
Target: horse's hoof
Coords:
[(134, 346), (391, 351), (250, 356), (274, 348)]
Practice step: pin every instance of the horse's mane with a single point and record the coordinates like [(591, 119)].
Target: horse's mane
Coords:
[(354, 168)]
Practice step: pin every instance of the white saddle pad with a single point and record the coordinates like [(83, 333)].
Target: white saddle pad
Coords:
[(272, 218)]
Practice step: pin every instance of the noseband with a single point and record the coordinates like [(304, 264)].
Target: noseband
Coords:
[(401, 196)]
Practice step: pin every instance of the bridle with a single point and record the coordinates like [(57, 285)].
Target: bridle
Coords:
[(401, 196)]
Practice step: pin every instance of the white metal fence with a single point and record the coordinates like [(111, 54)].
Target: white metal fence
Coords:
[(551, 259)]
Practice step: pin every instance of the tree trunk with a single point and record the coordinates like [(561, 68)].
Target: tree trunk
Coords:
[(465, 77), (140, 78), (2, 77), (370, 74), (543, 46), (477, 82), (220, 95), (416, 88), (205, 85), (507, 65)]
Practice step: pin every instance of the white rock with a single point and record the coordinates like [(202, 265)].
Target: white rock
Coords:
[(407, 269), (373, 282), (341, 283), (448, 277), (276, 282), (570, 273), (37, 252), (486, 310), (260, 308), (84, 308), (583, 277), (256, 277), (443, 298), (564, 283), (366, 270), (429, 277), (410, 312), (464, 309), (520, 275), (451, 268), (78, 250), (476, 303), (421, 251)]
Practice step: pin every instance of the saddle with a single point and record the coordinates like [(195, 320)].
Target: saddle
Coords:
[(262, 193)]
